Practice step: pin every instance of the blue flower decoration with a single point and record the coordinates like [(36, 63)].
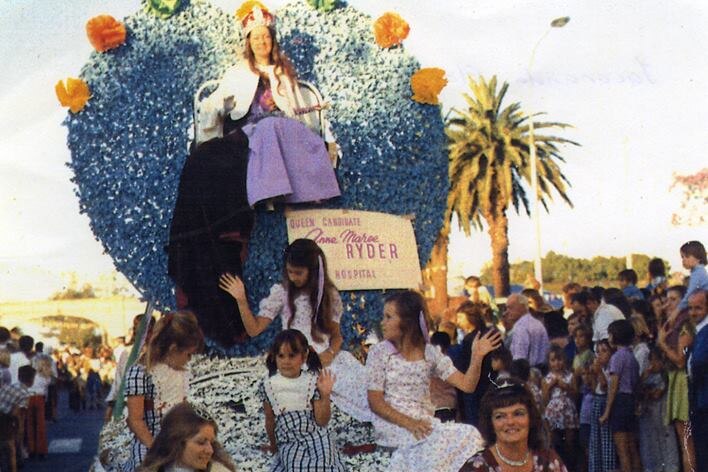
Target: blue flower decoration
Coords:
[(129, 144)]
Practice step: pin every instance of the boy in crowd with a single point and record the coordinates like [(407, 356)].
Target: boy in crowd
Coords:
[(628, 283)]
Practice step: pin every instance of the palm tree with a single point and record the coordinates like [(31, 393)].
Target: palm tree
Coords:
[(489, 154)]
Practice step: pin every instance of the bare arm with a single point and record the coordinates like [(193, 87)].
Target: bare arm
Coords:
[(136, 423), (612, 390), (254, 325), (377, 403), (322, 406), (481, 346), (270, 426), (335, 345)]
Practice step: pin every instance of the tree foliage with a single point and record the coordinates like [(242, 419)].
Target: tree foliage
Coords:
[(559, 268), (490, 159), (490, 166)]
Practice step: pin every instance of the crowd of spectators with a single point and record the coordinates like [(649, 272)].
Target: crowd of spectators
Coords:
[(608, 370), (31, 379)]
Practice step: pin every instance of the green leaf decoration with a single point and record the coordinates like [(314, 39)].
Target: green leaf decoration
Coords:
[(323, 5), (163, 8)]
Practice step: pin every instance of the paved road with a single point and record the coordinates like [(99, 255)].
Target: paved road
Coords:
[(73, 441)]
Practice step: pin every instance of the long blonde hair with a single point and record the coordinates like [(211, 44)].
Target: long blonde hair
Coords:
[(179, 329), (180, 424)]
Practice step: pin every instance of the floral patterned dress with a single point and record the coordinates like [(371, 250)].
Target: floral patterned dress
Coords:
[(543, 461), (561, 412), (406, 387)]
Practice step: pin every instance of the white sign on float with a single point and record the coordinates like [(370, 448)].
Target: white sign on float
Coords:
[(365, 250)]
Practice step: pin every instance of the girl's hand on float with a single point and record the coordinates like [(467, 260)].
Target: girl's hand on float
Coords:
[(483, 345), (233, 285), (420, 429), (325, 382)]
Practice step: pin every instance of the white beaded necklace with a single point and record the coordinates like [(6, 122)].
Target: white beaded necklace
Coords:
[(511, 462)]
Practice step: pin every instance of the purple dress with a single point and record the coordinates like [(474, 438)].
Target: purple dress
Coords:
[(285, 157)]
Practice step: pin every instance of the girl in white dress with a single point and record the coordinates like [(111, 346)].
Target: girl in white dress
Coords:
[(308, 301), (159, 380), (399, 370)]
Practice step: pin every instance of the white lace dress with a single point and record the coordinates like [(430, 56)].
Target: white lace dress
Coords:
[(349, 392), (406, 387)]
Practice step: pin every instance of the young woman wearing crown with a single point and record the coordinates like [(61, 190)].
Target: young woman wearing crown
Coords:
[(260, 95), (253, 143)]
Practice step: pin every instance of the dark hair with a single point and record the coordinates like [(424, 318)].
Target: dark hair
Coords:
[(39, 347), (409, 306), (533, 294), (280, 60), (4, 334), (179, 329), (474, 312), (614, 296), (680, 289), (556, 325), (657, 268), (306, 253), (645, 310), (26, 343), (604, 342), (442, 339), (521, 369), (473, 278), (25, 374), (504, 355), (580, 297), (596, 293), (622, 332), (695, 249), (180, 424), (628, 275), (571, 287), (513, 391), (656, 353), (297, 342), (559, 353)]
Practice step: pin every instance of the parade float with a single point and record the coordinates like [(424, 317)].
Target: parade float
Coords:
[(130, 126)]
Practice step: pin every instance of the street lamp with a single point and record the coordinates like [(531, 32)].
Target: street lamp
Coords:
[(537, 268)]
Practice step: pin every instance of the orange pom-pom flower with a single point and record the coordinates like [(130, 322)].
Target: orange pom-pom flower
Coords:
[(427, 84), (105, 32), (390, 30), (74, 94)]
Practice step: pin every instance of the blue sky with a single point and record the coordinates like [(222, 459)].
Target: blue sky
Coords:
[(630, 76)]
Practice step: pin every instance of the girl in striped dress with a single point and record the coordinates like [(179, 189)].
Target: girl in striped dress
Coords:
[(602, 453), (297, 407)]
